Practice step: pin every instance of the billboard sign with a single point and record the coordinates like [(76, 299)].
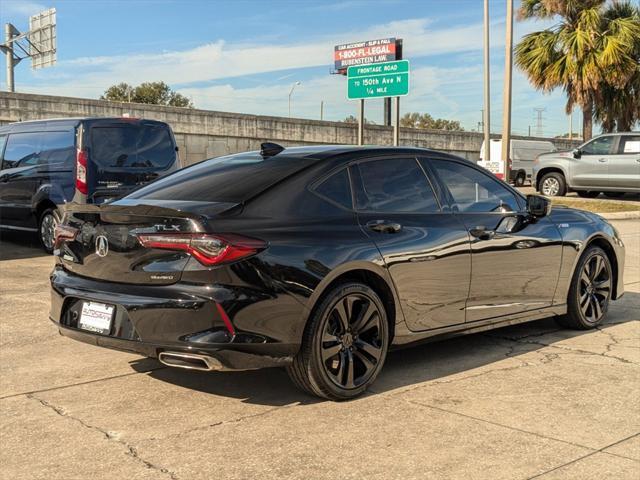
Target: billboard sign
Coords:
[(389, 79), (42, 39), (364, 53)]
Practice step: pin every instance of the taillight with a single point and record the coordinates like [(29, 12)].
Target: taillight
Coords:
[(207, 249), (81, 171), (64, 233)]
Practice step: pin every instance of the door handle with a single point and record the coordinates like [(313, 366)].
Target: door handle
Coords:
[(481, 233), (382, 226), (602, 160)]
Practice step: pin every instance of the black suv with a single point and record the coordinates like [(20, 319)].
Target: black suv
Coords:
[(47, 163)]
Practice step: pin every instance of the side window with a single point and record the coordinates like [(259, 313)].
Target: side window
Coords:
[(336, 188), (3, 141), (598, 146), (628, 144), (57, 147), (393, 185), (21, 150), (473, 191)]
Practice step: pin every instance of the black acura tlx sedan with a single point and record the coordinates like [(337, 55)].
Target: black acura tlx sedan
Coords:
[(320, 259)]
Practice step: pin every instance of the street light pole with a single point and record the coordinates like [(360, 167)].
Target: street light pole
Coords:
[(291, 93), (486, 128), (506, 112)]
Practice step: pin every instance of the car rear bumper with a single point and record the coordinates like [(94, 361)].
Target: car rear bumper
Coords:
[(149, 320), (229, 357)]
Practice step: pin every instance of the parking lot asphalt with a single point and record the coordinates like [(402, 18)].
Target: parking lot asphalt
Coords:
[(529, 401)]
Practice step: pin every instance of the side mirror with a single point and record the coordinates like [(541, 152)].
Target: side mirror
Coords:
[(538, 206), (577, 153)]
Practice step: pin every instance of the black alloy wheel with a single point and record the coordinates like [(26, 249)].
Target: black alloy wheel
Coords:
[(351, 346), (590, 291), (345, 344)]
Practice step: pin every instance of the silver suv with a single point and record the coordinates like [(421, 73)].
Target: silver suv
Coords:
[(608, 163)]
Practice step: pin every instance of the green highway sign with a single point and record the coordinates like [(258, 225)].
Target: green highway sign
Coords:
[(390, 79)]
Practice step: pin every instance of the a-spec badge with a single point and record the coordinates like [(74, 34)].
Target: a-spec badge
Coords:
[(102, 246)]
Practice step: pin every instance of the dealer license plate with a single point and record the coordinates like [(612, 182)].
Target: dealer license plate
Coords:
[(96, 317)]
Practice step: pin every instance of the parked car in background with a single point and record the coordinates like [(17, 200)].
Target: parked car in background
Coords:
[(608, 163), (522, 155), (47, 163), (319, 259)]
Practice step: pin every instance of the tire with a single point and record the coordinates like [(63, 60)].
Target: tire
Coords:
[(520, 179), (553, 185), (47, 222), (590, 291), (587, 193), (614, 194), (338, 360)]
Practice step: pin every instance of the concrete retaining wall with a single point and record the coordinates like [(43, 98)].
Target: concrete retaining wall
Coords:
[(204, 133)]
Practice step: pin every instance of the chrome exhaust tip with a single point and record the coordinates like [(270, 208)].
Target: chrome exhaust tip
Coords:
[(189, 361)]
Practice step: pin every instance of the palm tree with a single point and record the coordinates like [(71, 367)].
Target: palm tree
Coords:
[(590, 54), (619, 108)]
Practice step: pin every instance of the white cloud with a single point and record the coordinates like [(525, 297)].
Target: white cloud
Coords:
[(221, 60), (453, 92), (19, 8)]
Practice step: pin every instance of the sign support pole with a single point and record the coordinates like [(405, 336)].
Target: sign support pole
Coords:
[(361, 122), (8, 48), (396, 122)]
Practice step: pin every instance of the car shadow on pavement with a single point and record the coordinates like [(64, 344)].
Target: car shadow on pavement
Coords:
[(435, 361), (19, 245)]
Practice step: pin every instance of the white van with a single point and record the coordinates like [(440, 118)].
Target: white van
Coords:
[(522, 155)]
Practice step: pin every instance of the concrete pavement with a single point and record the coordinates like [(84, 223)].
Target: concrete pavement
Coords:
[(529, 401)]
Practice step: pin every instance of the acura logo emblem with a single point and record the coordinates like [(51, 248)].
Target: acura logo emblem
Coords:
[(102, 246)]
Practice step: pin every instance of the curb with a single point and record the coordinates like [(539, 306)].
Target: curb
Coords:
[(620, 215)]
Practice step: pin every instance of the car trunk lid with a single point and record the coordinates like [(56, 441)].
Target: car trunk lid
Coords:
[(104, 241)]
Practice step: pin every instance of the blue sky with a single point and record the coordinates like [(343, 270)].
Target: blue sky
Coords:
[(244, 55)]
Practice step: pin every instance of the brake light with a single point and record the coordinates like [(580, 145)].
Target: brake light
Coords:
[(64, 233), (81, 171), (208, 249)]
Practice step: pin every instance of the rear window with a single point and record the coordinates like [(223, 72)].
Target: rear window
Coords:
[(132, 146), (232, 178)]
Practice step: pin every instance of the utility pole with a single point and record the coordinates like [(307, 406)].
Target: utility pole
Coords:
[(539, 119), (321, 109), (486, 127), (571, 125), (506, 112)]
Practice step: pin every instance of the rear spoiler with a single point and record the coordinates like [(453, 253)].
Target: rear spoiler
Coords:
[(198, 211)]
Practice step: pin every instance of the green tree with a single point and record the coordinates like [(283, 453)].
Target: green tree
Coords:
[(426, 121), (352, 119), (155, 93), (589, 53), (122, 92)]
